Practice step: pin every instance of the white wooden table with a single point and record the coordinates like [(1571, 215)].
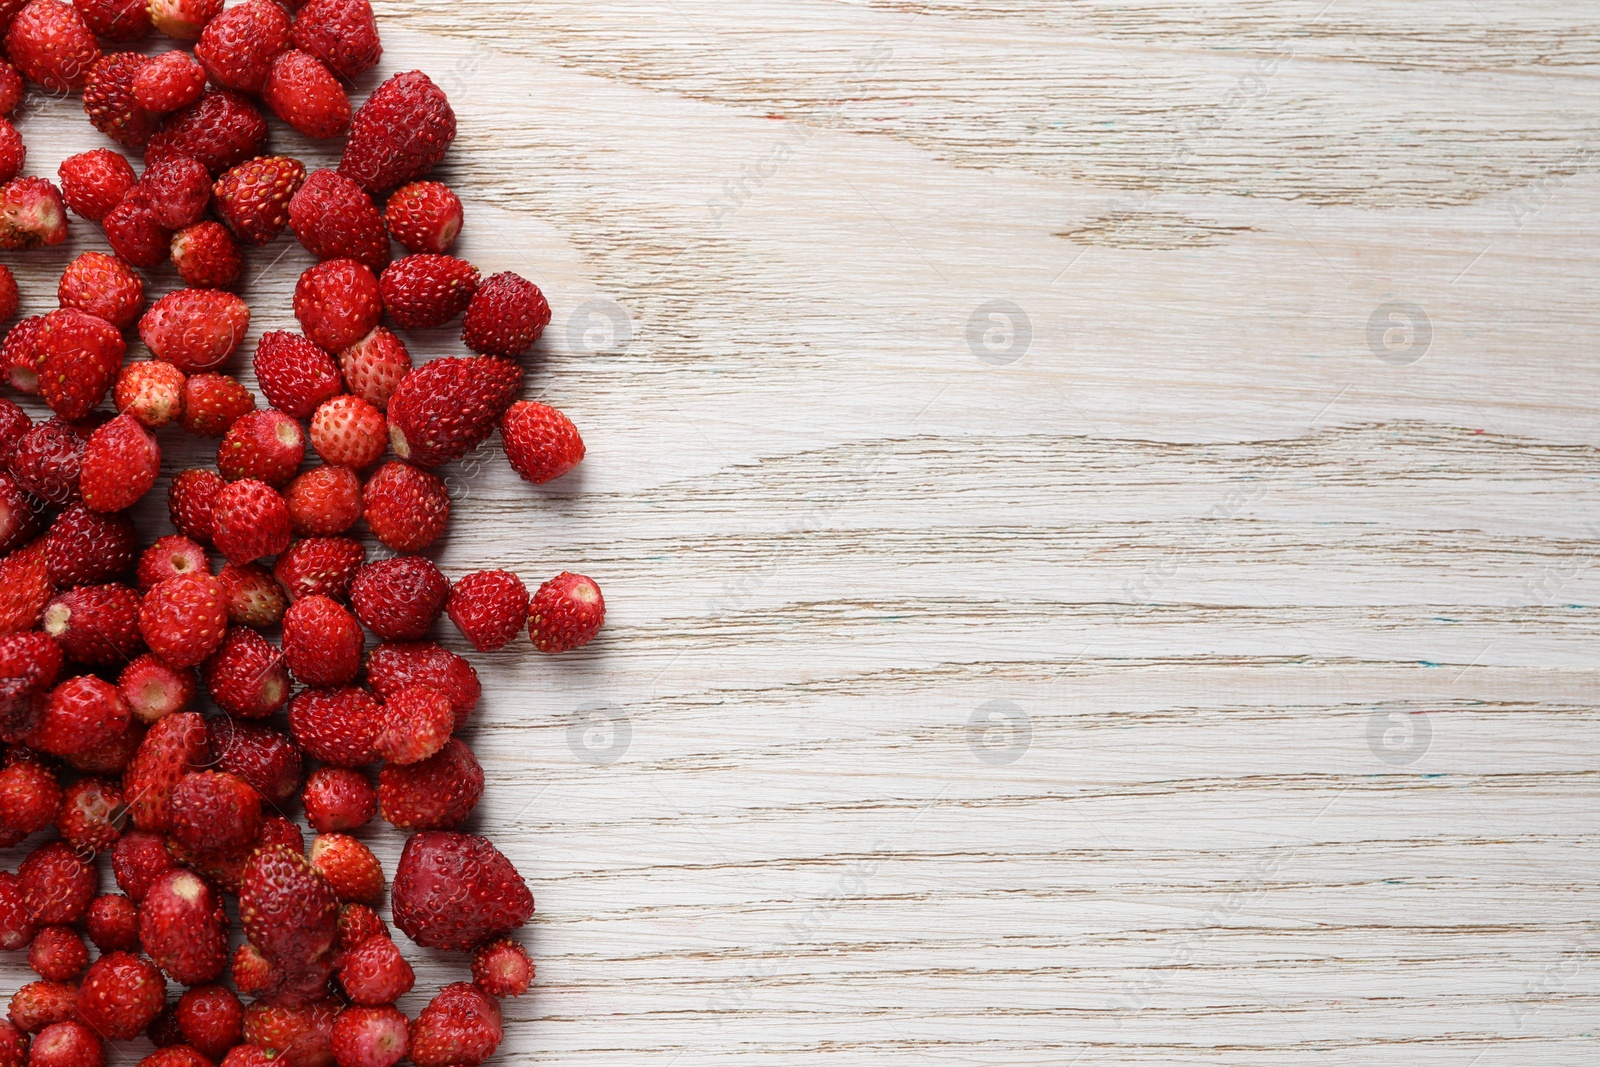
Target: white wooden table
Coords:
[(1097, 508)]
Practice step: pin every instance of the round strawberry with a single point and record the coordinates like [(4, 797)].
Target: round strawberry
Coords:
[(334, 218), (183, 19), (153, 689), (80, 357), (502, 968), (422, 291), (47, 459), (82, 713), (393, 666), (113, 922), (38, 1005), (436, 794), (238, 46), (246, 675), (349, 866), (565, 613), (253, 197), (398, 599), (489, 608), (94, 182), (104, 286), (50, 44), (374, 973), (264, 445), (324, 501), (416, 724), (68, 1043), (252, 521), (541, 443), (169, 557), (405, 507), (320, 566), (214, 813), (120, 463), (170, 81), (506, 316), (369, 1037), (254, 597), (184, 619), (91, 817), (373, 367), (350, 432), (177, 189), (151, 392), (424, 217), (207, 256), (322, 642), (30, 798), (121, 995), (341, 33), (339, 798), (115, 20), (97, 625), (211, 1020), (57, 884), (192, 502), (220, 129), (32, 215), (336, 726), (338, 303), (195, 329)]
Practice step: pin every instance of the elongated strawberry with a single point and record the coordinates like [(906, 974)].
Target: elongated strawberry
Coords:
[(195, 329), (120, 464), (220, 129), (423, 291), (183, 928), (445, 408), (295, 374), (306, 95), (341, 33), (109, 102), (289, 912), (400, 133), (435, 794), (334, 218), (253, 197), (541, 443), (82, 354), (338, 302), (336, 726)]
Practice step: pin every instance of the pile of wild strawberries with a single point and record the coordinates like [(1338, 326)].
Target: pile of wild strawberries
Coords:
[(107, 646)]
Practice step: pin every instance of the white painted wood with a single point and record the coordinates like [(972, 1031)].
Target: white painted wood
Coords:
[(1209, 683)]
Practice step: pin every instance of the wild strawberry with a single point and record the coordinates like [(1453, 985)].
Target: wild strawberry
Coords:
[(338, 303), (94, 182), (298, 1036), (489, 608), (174, 745), (423, 291), (207, 256), (212, 403), (10, 297), (357, 923), (12, 89), (341, 33), (565, 613), (115, 20), (374, 973), (320, 566), (324, 501), (392, 667), (82, 354), (263, 756), (447, 407), (32, 215), (192, 500), (151, 392), (20, 514), (436, 794), (338, 798), (113, 922), (134, 234), (184, 619), (336, 726), (183, 19), (347, 431), (322, 642), (20, 358), (406, 508), (17, 927), (288, 910), (195, 329), (183, 928), (251, 972), (39, 1004), (399, 134), (178, 190), (349, 866), (14, 422), (137, 860), (120, 995), (374, 365), (416, 723), (111, 757), (460, 1026), (211, 1019), (108, 99), (265, 445), (424, 217), (13, 153), (214, 813), (253, 197), (369, 1037), (254, 597), (501, 968), (165, 1034), (168, 82), (68, 1043), (97, 625), (24, 588), (30, 663), (295, 374), (50, 45), (238, 46), (104, 286), (81, 713), (454, 891), (245, 676), (91, 818), (220, 129), (506, 316), (334, 218), (398, 599), (57, 884), (30, 798), (252, 521), (169, 557), (120, 465), (306, 95), (153, 690)]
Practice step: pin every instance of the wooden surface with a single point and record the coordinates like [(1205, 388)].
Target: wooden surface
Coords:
[(1097, 508)]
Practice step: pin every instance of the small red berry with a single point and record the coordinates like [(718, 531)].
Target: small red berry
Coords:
[(565, 613), (406, 508), (324, 501), (339, 798), (502, 968), (424, 217), (489, 608)]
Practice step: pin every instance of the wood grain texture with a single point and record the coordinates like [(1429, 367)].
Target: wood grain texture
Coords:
[(1187, 659)]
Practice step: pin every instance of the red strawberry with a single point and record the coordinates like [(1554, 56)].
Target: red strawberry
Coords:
[(211, 1019), (251, 972), (446, 408), (213, 813), (406, 508), (151, 392), (288, 910), (137, 860), (252, 521), (297, 1036), (13, 153), (374, 973), (265, 445), (173, 745), (502, 968), (506, 316), (135, 234), (11, 88), (334, 218), (322, 642), (40, 1004), (14, 422), (168, 82), (207, 256), (111, 757), (374, 365), (169, 557), (212, 403), (10, 297), (94, 182), (20, 514), (436, 794), (24, 588), (178, 190), (423, 291), (245, 675), (489, 608), (30, 663), (32, 215), (349, 866), (253, 197), (113, 923), (183, 19), (341, 33), (338, 798), (238, 46), (220, 129), (81, 713), (108, 99), (104, 286), (416, 724), (399, 134), (541, 443), (184, 619), (153, 690), (120, 465), (30, 798), (192, 500), (17, 927), (357, 923), (48, 458), (320, 566), (392, 667), (262, 755), (565, 613), (336, 726), (90, 820), (20, 358), (182, 926), (398, 599), (460, 1027), (50, 45), (254, 597), (348, 431), (96, 625), (57, 884), (306, 95), (295, 374), (324, 501), (68, 1043), (369, 1037), (424, 216), (338, 303), (195, 329), (82, 354), (115, 20), (120, 995)]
